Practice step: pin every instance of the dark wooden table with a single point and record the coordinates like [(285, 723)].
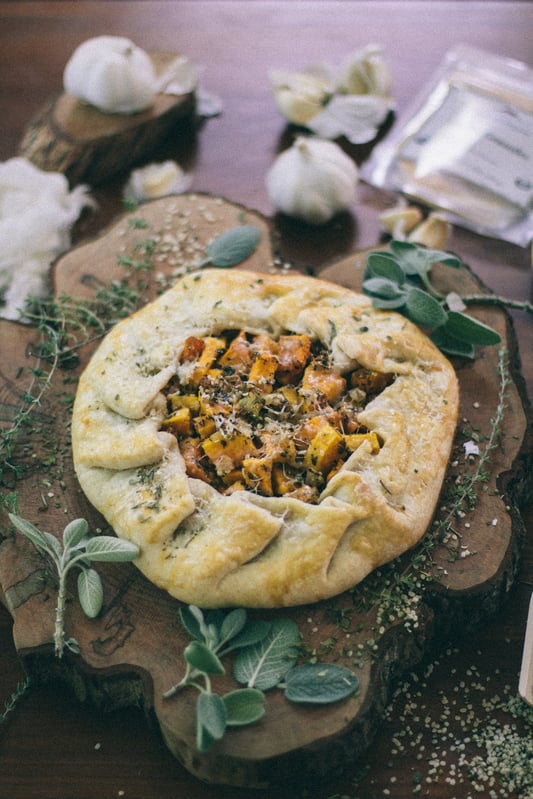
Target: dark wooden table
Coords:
[(51, 747)]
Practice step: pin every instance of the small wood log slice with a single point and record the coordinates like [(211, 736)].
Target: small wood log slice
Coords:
[(133, 651), (90, 146)]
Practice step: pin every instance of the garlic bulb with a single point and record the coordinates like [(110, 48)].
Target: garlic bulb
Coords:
[(113, 74), (313, 180)]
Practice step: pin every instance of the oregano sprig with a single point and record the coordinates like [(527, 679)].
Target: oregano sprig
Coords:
[(400, 278), (77, 548), (265, 656)]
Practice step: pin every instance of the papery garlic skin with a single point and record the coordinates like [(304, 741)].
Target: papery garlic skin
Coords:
[(37, 211), (366, 73), (156, 180), (112, 74), (352, 101), (313, 180)]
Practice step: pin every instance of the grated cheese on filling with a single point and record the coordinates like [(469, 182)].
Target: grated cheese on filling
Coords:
[(267, 415)]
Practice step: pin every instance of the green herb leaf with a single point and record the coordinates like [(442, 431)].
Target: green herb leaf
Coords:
[(232, 624), (383, 287), (382, 264), (90, 592), (395, 304), (233, 246), (110, 549), (417, 260), (29, 531), (319, 684), (74, 533), (252, 633), (469, 329), (244, 706), (264, 664), (423, 309), (192, 619), (451, 345), (53, 544), (198, 655), (210, 720)]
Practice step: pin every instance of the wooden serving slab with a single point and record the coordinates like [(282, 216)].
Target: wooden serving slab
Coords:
[(90, 146), (133, 652)]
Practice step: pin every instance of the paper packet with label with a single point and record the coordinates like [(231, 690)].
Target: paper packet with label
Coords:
[(466, 146)]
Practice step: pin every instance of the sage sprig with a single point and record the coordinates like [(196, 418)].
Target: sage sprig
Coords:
[(400, 278), (264, 657), (77, 548)]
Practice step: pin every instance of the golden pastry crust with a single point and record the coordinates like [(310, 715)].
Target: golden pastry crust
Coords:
[(216, 550)]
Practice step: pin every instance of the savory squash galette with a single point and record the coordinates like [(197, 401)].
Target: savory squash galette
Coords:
[(266, 440)]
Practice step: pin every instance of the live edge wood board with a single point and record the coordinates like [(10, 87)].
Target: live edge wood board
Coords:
[(132, 653)]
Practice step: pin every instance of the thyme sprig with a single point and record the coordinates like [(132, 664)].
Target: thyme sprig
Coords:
[(398, 593), (463, 493), (79, 549), (11, 703)]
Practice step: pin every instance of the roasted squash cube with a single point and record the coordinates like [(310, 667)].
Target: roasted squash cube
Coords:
[(184, 401), (282, 482), (355, 440), (227, 453), (204, 426), (293, 354), (257, 475), (319, 378), (238, 355), (213, 347), (263, 371), (324, 450), (180, 422)]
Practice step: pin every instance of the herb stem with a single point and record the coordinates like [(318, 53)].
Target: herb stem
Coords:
[(59, 629), (490, 299)]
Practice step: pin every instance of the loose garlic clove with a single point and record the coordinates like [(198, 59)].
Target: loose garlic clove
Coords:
[(400, 220), (300, 96), (434, 232), (156, 180), (112, 74), (313, 180), (367, 73)]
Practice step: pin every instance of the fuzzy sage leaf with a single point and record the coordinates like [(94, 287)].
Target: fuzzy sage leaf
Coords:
[(265, 664), (107, 548), (76, 548), (244, 706), (233, 246), (319, 684), (90, 592), (399, 279), (266, 656)]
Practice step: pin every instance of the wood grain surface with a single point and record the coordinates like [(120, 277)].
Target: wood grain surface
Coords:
[(54, 746), (135, 646)]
